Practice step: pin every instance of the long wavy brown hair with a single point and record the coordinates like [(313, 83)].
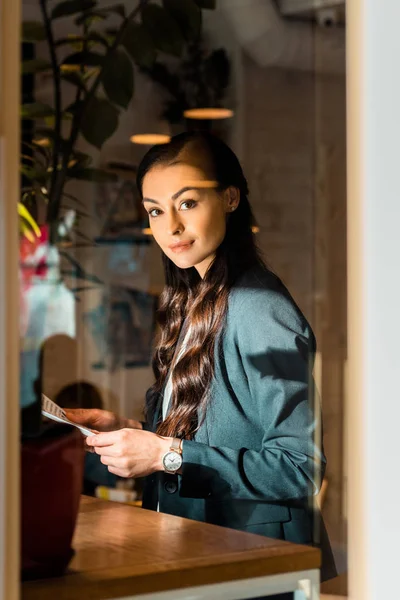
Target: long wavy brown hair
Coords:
[(188, 299)]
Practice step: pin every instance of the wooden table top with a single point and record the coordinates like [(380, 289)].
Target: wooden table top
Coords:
[(123, 550)]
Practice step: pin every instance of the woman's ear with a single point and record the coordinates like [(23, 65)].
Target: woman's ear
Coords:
[(232, 198)]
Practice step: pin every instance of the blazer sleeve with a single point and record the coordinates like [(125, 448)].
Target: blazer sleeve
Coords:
[(276, 347)]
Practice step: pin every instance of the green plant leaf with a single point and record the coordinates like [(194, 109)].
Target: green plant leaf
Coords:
[(87, 59), (89, 73), (97, 36), (83, 159), (101, 14), (50, 134), (36, 110), (77, 41), (37, 148), (208, 4), (117, 79), (99, 121), (71, 7), (66, 115), (33, 174), (28, 158), (33, 31), (75, 78), (50, 121), (97, 175), (73, 40), (26, 215), (73, 108), (163, 28), (35, 65), (188, 16), (139, 45), (90, 17), (26, 232), (29, 201)]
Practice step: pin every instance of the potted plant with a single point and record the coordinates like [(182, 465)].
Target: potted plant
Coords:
[(97, 61)]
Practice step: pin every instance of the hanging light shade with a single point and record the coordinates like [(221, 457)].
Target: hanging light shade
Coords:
[(208, 113), (150, 139)]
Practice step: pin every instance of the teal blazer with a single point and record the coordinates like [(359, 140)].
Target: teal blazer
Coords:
[(256, 462)]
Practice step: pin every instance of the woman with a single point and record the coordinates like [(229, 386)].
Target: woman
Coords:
[(230, 431)]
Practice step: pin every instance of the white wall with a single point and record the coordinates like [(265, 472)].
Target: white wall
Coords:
[(374, 290)]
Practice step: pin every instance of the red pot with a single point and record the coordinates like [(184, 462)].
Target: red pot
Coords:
[(51, 485)]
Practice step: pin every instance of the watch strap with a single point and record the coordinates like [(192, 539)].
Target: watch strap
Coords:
[(176, 445)]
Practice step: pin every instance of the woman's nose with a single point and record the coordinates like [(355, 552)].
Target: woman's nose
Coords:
[(174, 223)]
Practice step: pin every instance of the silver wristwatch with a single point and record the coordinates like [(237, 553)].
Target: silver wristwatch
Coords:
[(172, 460)]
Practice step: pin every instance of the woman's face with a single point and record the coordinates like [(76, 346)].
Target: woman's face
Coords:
[(187, 215)]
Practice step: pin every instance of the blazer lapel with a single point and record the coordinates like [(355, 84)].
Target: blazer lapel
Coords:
[(158, 407)]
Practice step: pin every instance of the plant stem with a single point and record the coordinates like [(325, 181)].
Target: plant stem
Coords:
[(75, 128), (57, 107)]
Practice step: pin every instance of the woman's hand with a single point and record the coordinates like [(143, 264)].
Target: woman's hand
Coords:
[(129, 452), (100, 420)]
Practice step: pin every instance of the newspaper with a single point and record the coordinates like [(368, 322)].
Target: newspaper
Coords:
[(51, 410)]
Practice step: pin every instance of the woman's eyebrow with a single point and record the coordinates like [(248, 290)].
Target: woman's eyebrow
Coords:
[(149, 200), (175, 196), (200, 185)]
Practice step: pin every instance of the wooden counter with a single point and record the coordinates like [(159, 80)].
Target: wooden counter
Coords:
[(125, 551)]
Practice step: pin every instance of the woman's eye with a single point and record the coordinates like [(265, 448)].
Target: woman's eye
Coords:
[(191, 204), (154, 210)]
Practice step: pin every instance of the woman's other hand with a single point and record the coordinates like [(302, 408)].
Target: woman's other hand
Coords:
[(130, 453), (100, 420)]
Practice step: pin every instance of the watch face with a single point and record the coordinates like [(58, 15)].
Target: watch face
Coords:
[(172, 461)]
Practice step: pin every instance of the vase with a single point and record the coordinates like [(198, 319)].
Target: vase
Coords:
[(51, 483)]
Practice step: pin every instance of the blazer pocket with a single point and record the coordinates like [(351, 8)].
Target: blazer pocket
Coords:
[(243, 513), (272, 530), (299, 529), (268, 513)]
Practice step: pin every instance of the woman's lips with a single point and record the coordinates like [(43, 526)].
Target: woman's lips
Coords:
[(181, 247)]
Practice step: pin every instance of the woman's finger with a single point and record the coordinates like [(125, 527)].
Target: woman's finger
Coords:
[(108, 461), (115, 462), (112, 461), (88, 448), (104, 439), (112, 450)]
